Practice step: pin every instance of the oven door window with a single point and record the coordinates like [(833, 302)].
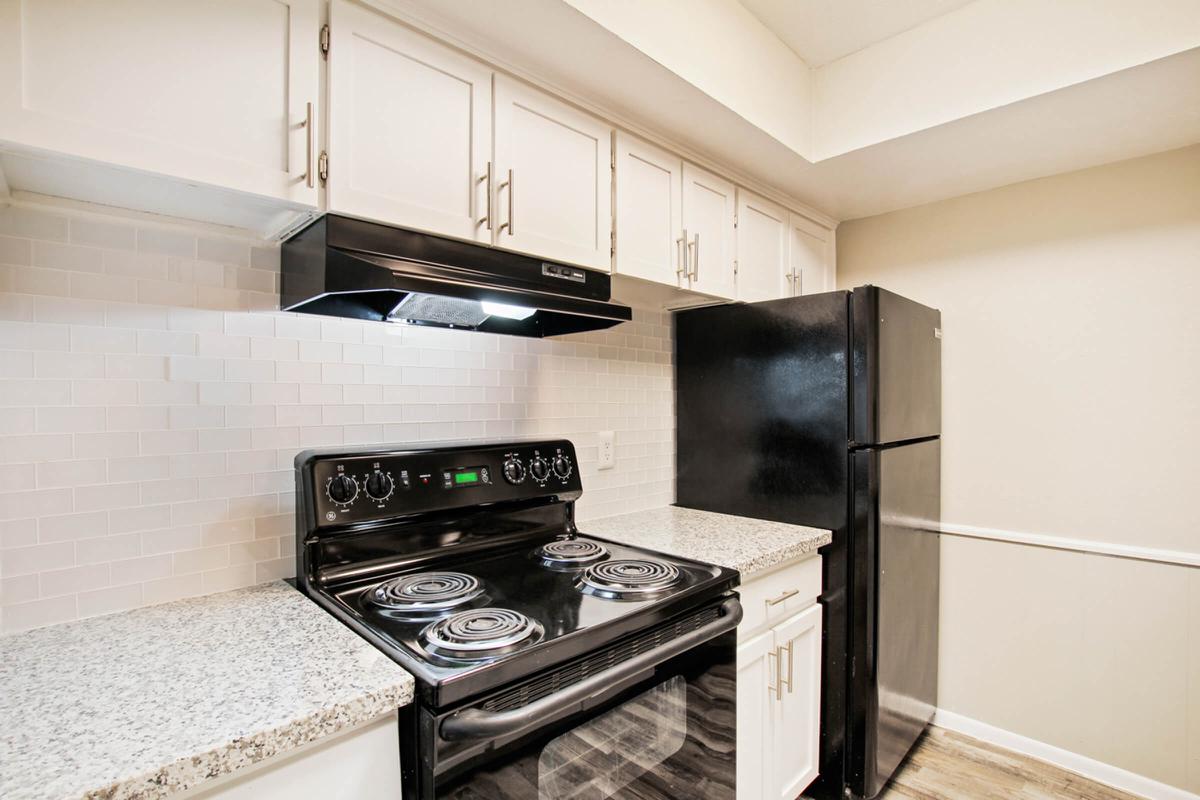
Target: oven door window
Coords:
[(672, 735), (603, 756)]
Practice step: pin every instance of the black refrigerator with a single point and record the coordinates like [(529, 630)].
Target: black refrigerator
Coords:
[(825, 410)]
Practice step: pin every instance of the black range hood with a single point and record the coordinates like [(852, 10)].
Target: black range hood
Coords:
[(343, 267)]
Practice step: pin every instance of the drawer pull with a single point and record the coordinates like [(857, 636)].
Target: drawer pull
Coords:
[(788, 594)]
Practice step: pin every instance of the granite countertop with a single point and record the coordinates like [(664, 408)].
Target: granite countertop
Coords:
[(741, 543), (145, 703)]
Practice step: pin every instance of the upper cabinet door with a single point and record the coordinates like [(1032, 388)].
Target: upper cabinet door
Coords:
[(409, 127), (709, 206), (214, 93), (797, 720), (554, 177), (649, 237), (764, 268), (811, 255)]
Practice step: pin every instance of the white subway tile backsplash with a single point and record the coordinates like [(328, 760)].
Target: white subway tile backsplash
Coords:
[(155, 399), (33, 224)]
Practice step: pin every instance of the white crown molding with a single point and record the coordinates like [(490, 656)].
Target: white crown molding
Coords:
[(1183, 558), (1098, 771)]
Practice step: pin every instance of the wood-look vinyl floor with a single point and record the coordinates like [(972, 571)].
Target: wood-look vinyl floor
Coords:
[(949, 766)]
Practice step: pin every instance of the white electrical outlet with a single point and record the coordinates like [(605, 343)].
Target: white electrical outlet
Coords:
[(607, 457)]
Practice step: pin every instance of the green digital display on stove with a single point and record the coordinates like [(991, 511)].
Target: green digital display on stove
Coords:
[(464, 478)]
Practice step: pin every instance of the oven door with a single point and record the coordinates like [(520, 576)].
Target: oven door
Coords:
[(660, 723)]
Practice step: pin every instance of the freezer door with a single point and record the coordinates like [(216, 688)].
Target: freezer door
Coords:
[(897, 382), (894, 602), (762, 406)]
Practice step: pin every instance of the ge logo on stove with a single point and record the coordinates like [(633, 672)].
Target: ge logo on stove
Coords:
[(330, 516)]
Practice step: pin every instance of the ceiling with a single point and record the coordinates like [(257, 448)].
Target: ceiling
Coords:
[(820, 31)]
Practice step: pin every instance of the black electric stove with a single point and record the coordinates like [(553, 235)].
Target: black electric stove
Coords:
[(528, 639)]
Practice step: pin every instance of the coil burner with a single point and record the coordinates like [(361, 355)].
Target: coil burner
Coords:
[(427, 593), (628, 579), (570, 553), (480, 634)]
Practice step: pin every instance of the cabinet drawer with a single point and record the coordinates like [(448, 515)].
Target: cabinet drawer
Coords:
[(773, 596)]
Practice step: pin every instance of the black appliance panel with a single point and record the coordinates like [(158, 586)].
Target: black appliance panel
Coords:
[(897, 368), (389, 484), (667, 730), (763, 405), (897, 561)]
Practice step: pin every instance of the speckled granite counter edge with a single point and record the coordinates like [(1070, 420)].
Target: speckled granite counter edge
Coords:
[(766, 562), (193, 771)]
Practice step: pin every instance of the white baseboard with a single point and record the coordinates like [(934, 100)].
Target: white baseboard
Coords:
[(1098, 771)]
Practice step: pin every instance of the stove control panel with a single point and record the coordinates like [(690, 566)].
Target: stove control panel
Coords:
[(374, 484)]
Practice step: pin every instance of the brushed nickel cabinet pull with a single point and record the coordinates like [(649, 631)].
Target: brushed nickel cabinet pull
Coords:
[(777, 688), (788, 594), (791, 657), (509, 184), (680, 255), (488, 179), (310, 179), (694, 249)]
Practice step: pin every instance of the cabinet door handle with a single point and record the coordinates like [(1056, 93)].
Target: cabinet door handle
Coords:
[(777, 688), (788, 594), (509, 184), (681, 255), (488, 179), (309, 177), (694, 249), (791, 657)]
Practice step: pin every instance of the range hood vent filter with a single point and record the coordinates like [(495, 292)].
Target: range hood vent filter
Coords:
[(434, 310), (343, 267)]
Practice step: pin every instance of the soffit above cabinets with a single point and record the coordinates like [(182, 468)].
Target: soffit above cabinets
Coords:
[(820, 31), (980, 95)]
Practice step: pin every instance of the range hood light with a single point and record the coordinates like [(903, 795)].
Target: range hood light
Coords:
[(507, 311)]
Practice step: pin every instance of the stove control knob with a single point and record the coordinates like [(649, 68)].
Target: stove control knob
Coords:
[(540, 469), (342, 489), (562, 467), (514, 471), (379, 485)]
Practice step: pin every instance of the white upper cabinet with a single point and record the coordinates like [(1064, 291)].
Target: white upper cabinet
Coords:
[(554, 177), (649, 229), (811, 256), (796, 715), (709, 206), (409, 127), (763, 236), (214, 93)]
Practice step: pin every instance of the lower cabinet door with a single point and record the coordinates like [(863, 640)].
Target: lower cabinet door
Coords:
[(756, 665), (796, 721)]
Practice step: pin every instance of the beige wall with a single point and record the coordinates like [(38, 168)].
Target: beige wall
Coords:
[(1071, 393)]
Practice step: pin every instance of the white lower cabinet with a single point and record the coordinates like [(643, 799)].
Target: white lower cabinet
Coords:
[(779, 684), (755, 677), (796, 713), (363, 763)]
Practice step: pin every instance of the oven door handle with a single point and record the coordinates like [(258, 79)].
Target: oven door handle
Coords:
[(474, 723)]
